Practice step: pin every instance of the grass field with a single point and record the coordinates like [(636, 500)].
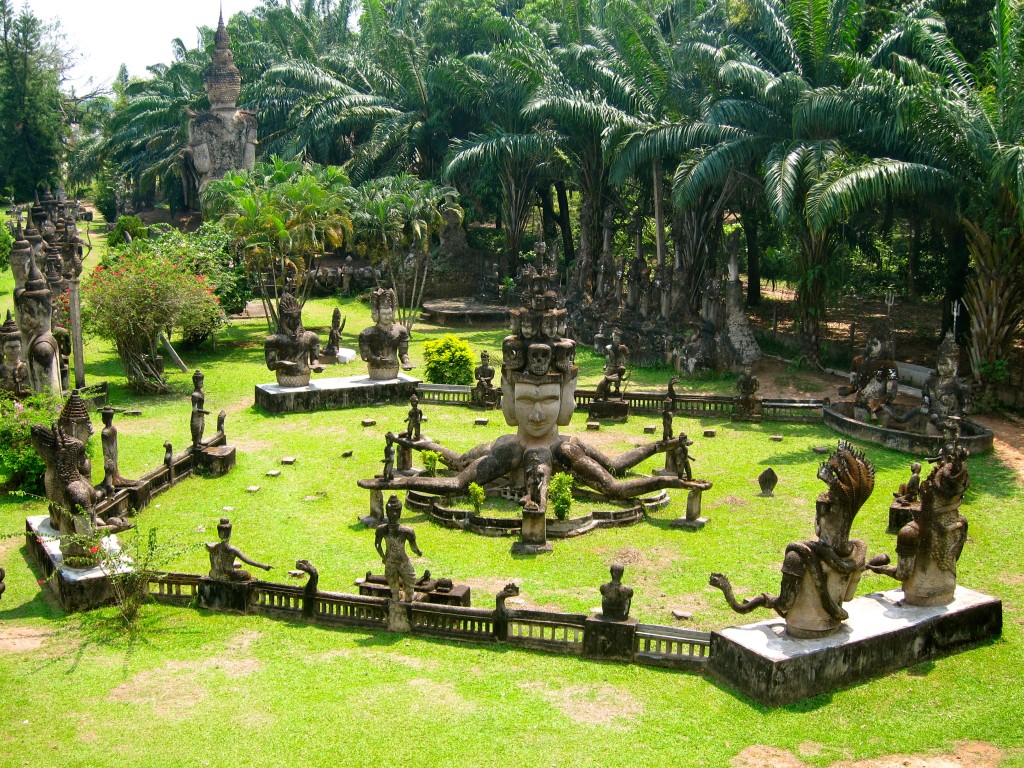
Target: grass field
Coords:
[(198, 688)]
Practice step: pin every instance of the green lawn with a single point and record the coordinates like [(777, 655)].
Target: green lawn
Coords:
[(197, 688)]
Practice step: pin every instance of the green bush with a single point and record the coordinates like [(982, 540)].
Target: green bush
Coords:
[(477, 495), (449, 360), (6, 243), (560, 494), (131, 225), (18, 459), (430, 459)]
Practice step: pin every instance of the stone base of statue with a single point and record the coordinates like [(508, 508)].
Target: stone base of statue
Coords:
[(76, 589), (843, 418), (220, 595), (610, 640), (900, 514), (293, 379), (881, 636), (693, 519), (376, 516), (335, 394), (216, 461), (398, 616), (534, 536), (609, 410), (343, 356)]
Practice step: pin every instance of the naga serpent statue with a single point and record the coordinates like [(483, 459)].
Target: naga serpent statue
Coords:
[(819, 575)]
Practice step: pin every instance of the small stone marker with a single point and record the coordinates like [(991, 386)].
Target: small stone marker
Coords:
[(593, 426), (252, 489), (274, 473), (288, 460), (820, 449), (481, 422), (650, 429), (310, 498), (346, 454), (710, 433), (776, 438), (133, 412), (369, 422), (768, 480), (681, 615), (228, 509)]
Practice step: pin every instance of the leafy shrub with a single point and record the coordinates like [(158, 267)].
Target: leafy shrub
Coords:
[(131, 225), (449, 360), (430, 459), (6, 243), (477, 495), (18, 459), (560, 494), (138, 296), (103, 195)]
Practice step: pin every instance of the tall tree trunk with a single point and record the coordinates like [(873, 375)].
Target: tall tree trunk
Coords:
[(957, 269), (810, 295), (659, 214), (547, 206), (750, 220), (563, 220), (913, 256)]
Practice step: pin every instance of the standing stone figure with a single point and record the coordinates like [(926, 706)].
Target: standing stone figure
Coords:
[(334, 337), (414, 419), (484, 393), (616, 357), (819, 575), (42, 354), (929, 546), (398, 568), (666, 420), (615, 596), (381, 344), (197, 422), (223, 138), (112, 479), (293, 352), (13, 371), (223, 555)]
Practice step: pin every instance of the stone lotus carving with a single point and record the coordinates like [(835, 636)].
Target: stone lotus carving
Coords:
[(385, 345), (819, 575), (929, 546)]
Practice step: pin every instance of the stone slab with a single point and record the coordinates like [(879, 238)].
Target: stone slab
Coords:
[(593, 426), (693, 524), (775, 438), (880, 636), (335, 393), (481, 422), (650, 429), (274, 473), (609, 410), (288, 460), (609, 640), (710, 433)]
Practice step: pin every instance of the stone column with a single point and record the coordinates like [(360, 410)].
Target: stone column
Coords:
[(77, 344)]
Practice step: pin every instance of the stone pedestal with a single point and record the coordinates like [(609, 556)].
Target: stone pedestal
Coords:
[(398, 617), (901, 514), (610, 640), (693, 519), (376, 516), (77, 589), (881, 636), (217, 460), (403, 456), (610, 410), (534, 537), (335, 394), (225, 595)]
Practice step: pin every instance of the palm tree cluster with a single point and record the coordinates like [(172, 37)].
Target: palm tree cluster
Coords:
[(634, 135)]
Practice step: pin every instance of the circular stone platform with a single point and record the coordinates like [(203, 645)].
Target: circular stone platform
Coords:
[(839, 416), (464, 311)]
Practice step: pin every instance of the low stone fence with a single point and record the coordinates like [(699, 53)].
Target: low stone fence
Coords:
[(555, 632)]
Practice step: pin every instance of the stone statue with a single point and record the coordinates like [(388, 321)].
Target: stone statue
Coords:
[(381, 344), (197, 422), (223, 555), (223, 138), (929, 546), (334, 337), (678, 459), (947, 397), (616, 357), (346, 274), (909, 490), (874, 380), (112, 479), (74, 420), (389, 457), (667, 414), (3, 585), (767, 481), (414, 419), (819, 575), (42, 354), (615, 596), (398, 568), (746, 405), (293, 352), (538, 384), (13, 371), (484, 393)]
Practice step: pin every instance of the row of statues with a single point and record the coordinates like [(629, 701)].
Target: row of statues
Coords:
[(820, 574)]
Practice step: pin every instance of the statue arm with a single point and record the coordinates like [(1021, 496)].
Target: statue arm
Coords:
[(412, 543), (591, 472), (403, 351), (377, 540), (238, 553)]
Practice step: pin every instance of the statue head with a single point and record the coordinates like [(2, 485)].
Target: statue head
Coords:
[(10, 338), (915, 468), (383, 306), (34, 303), (616, 335), (393, 510), (107, 415), (485, 357), (224, 529), (851, 479), (413, 400), (617, 570), (336, 317), (197, 380), (289, 315), (947, 361)]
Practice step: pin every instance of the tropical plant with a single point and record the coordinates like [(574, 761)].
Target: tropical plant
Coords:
[(449, 360), (560, 494), (19, 461)]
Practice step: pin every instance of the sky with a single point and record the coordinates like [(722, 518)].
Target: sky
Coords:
[(108, 33)]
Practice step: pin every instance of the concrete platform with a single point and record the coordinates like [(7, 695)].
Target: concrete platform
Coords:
[(880, 636), (335, 393)]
